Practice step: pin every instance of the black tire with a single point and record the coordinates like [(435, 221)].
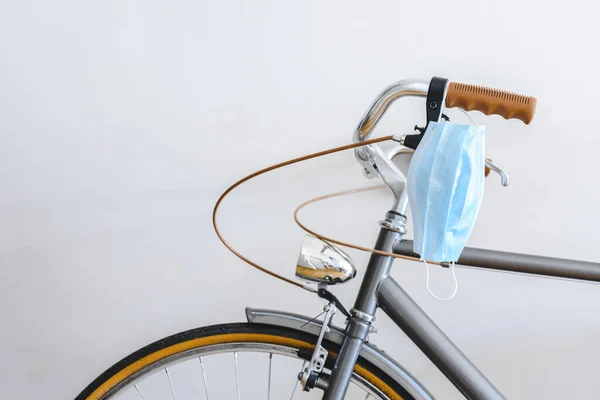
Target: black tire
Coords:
[(109, 382)]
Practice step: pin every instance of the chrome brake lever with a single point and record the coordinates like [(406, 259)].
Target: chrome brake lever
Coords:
[(503, 175)]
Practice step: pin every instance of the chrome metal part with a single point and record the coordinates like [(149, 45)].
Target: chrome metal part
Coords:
[(396, 150), (399, 138), (317, 361), (362, 315), (137, 389), (237, 375), (404, 88), (323, 383), (171, 384), (323, 263), (383, 165), (503, 176), (403, 203), (394, 222), (336, 335), (298, 380), (375, 161), (204, 378)]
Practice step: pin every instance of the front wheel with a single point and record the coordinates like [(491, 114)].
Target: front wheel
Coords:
[(231, 361)]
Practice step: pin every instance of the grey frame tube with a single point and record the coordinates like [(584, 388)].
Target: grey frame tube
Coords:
[(403, 310), (358, 329), (516, 262)]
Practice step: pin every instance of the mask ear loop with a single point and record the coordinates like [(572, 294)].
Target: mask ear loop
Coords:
[(455, 282)]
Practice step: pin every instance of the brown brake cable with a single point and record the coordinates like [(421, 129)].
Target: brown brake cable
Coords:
[(338, 242), (290, 162), (345, 244)]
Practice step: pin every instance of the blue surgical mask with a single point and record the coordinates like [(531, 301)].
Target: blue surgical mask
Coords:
[(445, 188)]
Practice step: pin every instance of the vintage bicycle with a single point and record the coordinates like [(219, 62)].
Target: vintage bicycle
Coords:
[(252, 360)]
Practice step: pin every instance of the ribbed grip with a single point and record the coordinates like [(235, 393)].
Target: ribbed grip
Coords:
[(491, 101)]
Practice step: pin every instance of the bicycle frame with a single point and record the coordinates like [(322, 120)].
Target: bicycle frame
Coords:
[(379, 289)]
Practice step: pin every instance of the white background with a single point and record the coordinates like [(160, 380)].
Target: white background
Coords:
[(121, 122)]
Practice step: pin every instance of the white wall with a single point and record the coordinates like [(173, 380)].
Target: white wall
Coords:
[(122, 121)]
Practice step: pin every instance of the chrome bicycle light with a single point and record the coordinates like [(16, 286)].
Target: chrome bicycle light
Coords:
[(321, 262)]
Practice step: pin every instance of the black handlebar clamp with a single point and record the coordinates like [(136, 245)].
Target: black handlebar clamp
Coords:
[(434, 106)]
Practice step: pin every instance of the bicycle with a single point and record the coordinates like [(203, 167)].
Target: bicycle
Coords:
[(339, 362)]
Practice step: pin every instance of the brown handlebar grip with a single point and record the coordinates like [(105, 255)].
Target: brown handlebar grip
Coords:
[(491, 101)]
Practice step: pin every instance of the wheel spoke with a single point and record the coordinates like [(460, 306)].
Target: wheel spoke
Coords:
[(139, 392), (204, 377), (298, 380), (171, 384), (237, 380), (269, 384), (368, 396)]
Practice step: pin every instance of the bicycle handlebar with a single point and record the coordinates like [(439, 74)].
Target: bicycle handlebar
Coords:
[(468, 97), (408, 87)]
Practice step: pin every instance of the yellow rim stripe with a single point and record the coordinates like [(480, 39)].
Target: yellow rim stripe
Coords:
[(218, 339)]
